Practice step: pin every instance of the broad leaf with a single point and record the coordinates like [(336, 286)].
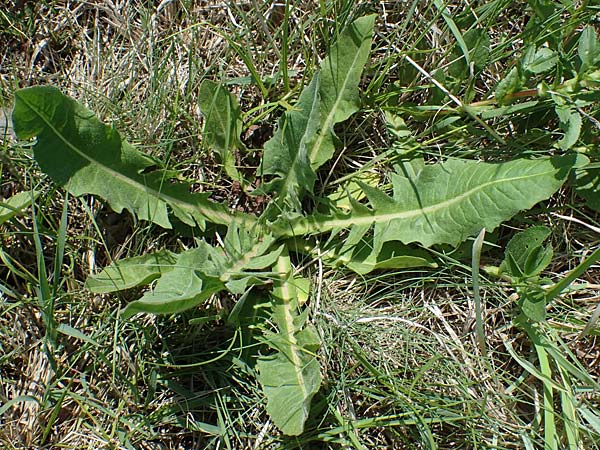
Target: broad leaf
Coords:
[(88, 157), (179, 289), (286, 153), (525, 254), (539, 61), (532, 301), (445, 203), (15, 205), (304, 140), (290, 377), (588, 186), (570, 123), (131, 272), (339, 78), (222, 123), (203, 271), (477, 41), (393, 255), (511, 83), (588, 49)]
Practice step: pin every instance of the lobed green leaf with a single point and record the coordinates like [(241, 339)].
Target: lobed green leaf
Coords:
[(87, 157), (198, 273), (304, 139), (131, 272), (291, 376), (444, 203)]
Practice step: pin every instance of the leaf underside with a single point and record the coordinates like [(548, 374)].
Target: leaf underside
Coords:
[(198, 273), (131, 272)]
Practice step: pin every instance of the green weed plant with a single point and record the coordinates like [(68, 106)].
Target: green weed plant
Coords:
[(363, 226)]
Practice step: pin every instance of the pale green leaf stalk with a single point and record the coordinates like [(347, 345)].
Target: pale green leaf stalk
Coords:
[(290, 377)]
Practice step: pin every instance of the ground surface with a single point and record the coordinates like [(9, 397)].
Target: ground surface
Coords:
[(399, 358)]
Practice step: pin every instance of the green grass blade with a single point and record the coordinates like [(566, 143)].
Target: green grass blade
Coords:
[(573, 275), (61, 240), (454, 29)]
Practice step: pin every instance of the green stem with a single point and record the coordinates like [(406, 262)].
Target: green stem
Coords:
[(550, 441)]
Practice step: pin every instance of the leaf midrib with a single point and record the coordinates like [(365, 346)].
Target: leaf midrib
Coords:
[(287, 298)]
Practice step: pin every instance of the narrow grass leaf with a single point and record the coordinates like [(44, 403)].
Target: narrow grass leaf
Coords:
[(591, 417), (15, 401), (447, 15), (531, 369), (475, 264), (61, 241), (70, 331)]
